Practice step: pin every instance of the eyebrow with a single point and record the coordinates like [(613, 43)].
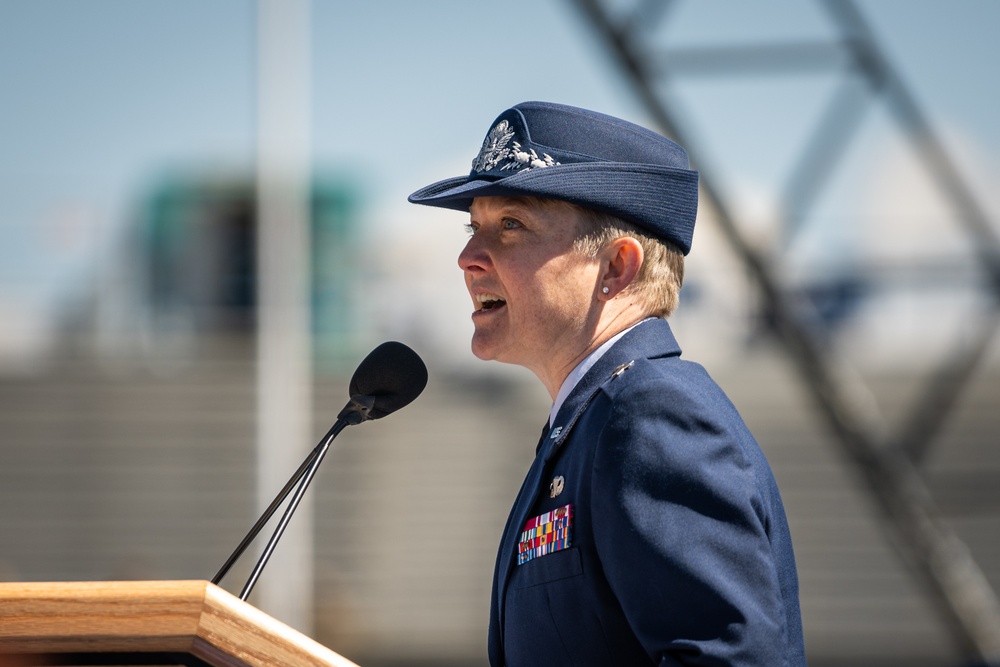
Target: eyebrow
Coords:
[(510, 204)]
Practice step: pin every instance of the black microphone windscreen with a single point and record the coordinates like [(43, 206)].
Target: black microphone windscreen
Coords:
[(393, 375)]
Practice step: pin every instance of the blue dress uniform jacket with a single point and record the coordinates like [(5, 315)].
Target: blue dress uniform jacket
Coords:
[(679, 551)]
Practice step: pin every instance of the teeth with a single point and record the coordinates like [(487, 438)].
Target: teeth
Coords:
[(489, 301)]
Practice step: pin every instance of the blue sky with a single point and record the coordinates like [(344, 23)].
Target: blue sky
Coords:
[(103, 97)]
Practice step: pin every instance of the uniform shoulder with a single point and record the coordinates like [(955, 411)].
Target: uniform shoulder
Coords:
[(666, 374)]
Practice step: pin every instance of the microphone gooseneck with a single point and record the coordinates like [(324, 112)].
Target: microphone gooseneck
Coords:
[(389, 378)]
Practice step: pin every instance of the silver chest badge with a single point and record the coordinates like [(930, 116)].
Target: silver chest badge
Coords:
[(557, 485)]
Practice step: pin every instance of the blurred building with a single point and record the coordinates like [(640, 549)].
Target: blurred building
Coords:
[(197, 279)]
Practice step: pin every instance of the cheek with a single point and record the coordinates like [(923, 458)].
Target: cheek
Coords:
[(568, 290)]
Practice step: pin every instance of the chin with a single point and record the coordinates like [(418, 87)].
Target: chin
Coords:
[(484, 349), (480, 351)]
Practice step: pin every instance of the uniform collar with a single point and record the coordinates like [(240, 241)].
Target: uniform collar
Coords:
[(649, 339), (581, 369)]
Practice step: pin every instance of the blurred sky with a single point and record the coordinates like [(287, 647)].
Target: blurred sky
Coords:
[(102, 98)]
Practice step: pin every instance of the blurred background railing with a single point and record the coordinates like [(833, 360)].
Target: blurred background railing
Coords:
[(842, 289)]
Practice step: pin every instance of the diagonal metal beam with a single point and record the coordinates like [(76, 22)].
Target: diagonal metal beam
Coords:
[(941, 392), (940, 560), (869, 57), (841, 119)]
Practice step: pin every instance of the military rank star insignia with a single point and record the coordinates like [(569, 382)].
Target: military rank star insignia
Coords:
[(556, 487)]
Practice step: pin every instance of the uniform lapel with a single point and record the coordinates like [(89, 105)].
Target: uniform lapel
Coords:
[(647, 340), (508, 544)]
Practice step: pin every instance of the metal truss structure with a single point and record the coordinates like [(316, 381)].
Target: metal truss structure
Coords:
[(888, 460)]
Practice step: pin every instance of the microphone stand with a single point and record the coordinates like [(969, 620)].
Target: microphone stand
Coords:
[(355, 412), (307, 477), (266, 516)]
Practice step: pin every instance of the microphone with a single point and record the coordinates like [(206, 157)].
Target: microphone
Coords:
[(389, 378)]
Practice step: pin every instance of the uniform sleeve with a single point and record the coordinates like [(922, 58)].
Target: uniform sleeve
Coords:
[(681, 529)]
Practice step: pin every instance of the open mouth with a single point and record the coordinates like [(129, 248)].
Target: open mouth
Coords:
[(490, 302)]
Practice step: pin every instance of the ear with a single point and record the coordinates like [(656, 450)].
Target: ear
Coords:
[(621, 261)]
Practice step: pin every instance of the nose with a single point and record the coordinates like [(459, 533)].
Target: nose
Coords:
[(474, 257)]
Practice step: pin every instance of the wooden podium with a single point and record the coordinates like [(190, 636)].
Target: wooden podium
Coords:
[(192, 623)]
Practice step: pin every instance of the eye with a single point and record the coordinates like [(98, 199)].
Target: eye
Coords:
[(510, 223), (471, 228)]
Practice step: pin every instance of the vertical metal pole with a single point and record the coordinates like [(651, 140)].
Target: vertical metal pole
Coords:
[(284, 379)]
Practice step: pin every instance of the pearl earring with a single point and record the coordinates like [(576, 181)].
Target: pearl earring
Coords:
[(605, 289)]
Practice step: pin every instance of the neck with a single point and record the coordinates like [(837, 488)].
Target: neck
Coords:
[(553, 375)]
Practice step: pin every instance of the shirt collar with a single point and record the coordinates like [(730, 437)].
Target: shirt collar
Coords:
[(574, 377)]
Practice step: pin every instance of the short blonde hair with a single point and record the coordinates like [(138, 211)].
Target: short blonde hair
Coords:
[(657, 285)]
